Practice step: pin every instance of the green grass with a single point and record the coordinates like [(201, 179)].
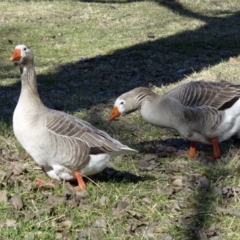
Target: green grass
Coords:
[(86, 54)]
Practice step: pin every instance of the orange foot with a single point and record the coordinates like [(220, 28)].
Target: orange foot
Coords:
[(192, 152), (216, 150), (41, 182), (81, 185)]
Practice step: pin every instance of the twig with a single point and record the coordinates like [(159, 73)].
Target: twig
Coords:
[(51, 218)]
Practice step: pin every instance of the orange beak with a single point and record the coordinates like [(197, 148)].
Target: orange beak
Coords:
[(16, 55), (114, 114)]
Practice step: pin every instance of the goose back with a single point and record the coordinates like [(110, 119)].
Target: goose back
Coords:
[(220, 95)]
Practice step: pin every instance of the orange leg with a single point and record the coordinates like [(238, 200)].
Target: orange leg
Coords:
[(192, 150), (216, 150), (81, 184)]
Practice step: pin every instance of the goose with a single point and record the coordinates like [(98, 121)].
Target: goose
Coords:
[(201, 111), (65, 147)]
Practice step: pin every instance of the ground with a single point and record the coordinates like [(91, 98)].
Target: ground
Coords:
[(86, 54)]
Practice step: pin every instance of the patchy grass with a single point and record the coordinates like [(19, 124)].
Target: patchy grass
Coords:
[(87, 53)]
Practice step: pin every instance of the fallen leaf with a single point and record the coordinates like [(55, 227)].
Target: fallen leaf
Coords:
[(234, 152), (55, 200), (149, 157), (2, 175), (134, 214), (29, 216), (81, 194), (14, 156), (217, 190), (176, 205), (23, 155), (68, 194), (44, 185), (178, 182), (104, 200), (134, 226), (147, 200), (10, 223), (171, 191), (32, 235), (17, 168), (236, 189), (66, 223), (119, 207), (214, 238), (149, 231), (3, 196), (227, 191), (211, 231), (58, 235), (150, 35), (166, 238), (73, 203), (91, 233), (200, 234), (203, 181), (234, 60), (17, 202), (146, 165), (99, 223)]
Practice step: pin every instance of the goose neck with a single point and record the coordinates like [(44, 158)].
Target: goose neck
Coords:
[(29, 81)]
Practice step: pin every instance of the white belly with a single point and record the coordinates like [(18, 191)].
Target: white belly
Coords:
[(96, 164)]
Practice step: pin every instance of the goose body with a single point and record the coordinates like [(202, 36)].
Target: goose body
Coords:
[(65, 146), (207, 112)]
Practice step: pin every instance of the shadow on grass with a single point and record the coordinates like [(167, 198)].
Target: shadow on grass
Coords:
[(154, 62), (111, 175), (203, 216), (211, 191)]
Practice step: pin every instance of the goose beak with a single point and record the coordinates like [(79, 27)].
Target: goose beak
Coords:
[(16, 55), (114, 114)]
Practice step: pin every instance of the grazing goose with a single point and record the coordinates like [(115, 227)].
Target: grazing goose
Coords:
[(207, 112), (66, 147)]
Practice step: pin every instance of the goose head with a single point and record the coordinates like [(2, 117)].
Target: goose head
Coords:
[(131, 101), (22, 55), (118, 109), (123, 105)]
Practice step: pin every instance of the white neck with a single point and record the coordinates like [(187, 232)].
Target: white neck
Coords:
[(29, 97)]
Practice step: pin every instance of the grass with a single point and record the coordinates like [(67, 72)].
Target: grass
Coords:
[(88, 53)]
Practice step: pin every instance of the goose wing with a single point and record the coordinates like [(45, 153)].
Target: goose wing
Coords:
[(67, 126), (219, 95), (74, 138)]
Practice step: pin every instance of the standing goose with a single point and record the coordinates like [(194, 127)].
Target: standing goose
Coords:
[(207, 112), (66, 147)]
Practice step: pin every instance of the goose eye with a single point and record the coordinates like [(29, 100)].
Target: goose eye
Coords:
[(25, 49), (121, 103)]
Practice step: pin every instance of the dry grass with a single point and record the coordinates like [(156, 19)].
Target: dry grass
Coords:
[(87, 53)]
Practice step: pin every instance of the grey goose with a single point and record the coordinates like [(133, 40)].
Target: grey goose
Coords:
[(65, 147), (201, 111)]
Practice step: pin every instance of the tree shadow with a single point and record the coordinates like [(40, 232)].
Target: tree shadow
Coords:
[(157, 62), (209, 190)]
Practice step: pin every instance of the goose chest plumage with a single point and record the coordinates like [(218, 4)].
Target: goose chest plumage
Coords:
[(65, 146), (201, 111)]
